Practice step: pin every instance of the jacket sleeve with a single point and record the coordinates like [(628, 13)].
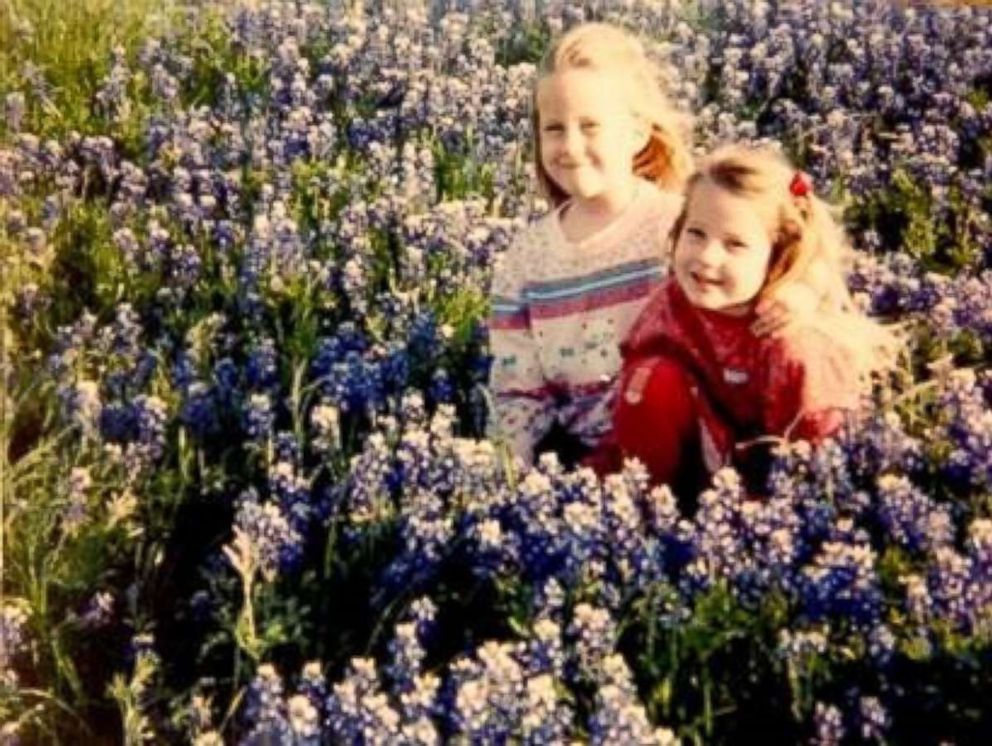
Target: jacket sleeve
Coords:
[(523, 402), (812, 387)]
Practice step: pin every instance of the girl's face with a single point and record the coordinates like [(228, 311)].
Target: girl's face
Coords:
[(722, 254), (588, 133)]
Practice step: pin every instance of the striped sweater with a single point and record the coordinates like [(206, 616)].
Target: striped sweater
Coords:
[(561, 308)]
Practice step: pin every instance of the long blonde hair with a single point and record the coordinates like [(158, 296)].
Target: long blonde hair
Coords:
[(805, 238), (665, 159)]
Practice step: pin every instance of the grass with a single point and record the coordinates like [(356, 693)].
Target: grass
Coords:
[(67, 45)]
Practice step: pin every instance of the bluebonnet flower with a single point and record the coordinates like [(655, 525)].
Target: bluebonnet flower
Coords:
[(719, 548), (413, 411), (199, 410), (118, 422), (291, 491), (77, 496), (259, 417), (874, 719), (490, 548), (358, 711), (313, 685), (948, 583), (151, 418), (489, 691), (225, 378), (619, 717), (13, 634), (426, 530), (881, 644), (968, 427), (545, 719), (368, 492), (881, 444), (803, 646), (274, 542), (406, 656), (185, 265), (910, 517), (595, 633), (325, 425), (111, 98), (636, 560), (262, 366), (265, 708), (919, 603), (303, 720), (442, 388), (841, 582), (979, 547), (545, 652), (828, 722)]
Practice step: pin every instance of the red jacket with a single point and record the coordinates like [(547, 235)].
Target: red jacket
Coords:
[(796, 385)]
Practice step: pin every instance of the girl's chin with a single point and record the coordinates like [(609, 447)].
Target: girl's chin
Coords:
[(707, 302), (736, 309)]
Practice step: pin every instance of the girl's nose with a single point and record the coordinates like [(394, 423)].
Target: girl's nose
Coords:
[(571, 141), (708, 253)]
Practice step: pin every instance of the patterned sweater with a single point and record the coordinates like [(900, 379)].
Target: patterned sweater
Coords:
[(560, 309)]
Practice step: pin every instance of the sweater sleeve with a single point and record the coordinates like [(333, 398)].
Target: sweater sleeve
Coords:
[(522, 399), (812, 386)]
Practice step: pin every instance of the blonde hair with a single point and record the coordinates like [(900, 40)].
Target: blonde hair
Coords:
[(665, 159), (806, 240)]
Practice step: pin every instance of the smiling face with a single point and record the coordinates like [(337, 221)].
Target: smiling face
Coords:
[(588, 134), (723, 251)]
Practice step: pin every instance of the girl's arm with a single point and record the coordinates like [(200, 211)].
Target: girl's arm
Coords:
[(795, 302), (523, 405)]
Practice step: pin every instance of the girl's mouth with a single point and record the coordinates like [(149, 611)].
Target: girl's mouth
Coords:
[(703, 281)]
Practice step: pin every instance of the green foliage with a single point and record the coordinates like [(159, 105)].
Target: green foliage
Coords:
[(68, 45), (527, 44), (694, 671)]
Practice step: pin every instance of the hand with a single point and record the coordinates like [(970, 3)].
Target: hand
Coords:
[(791, 304)]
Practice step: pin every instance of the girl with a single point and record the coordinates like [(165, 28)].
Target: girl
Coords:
[(611, 158), (697, 383)]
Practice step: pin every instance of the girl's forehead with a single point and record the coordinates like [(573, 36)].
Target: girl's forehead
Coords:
[(586, 87), (712, 202)]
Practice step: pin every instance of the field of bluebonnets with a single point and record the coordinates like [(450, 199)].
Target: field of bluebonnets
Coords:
[(246, 496)]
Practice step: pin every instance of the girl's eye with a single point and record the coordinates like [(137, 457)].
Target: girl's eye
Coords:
[(553, 128), (736, 245), (590, 126), (695, 233)]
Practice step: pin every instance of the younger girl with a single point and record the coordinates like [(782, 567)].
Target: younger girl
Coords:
[(697, 383), (610, 156)]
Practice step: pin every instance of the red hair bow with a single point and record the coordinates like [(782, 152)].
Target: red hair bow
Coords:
[(801, 184)]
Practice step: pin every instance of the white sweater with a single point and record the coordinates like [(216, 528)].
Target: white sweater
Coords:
[(560, 310)]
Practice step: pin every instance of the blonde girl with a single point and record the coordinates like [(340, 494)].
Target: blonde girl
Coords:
[(611, 157), (697, 384)]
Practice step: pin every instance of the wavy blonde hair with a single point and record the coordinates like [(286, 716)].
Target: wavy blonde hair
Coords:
[(808, 245), (665, 159)]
